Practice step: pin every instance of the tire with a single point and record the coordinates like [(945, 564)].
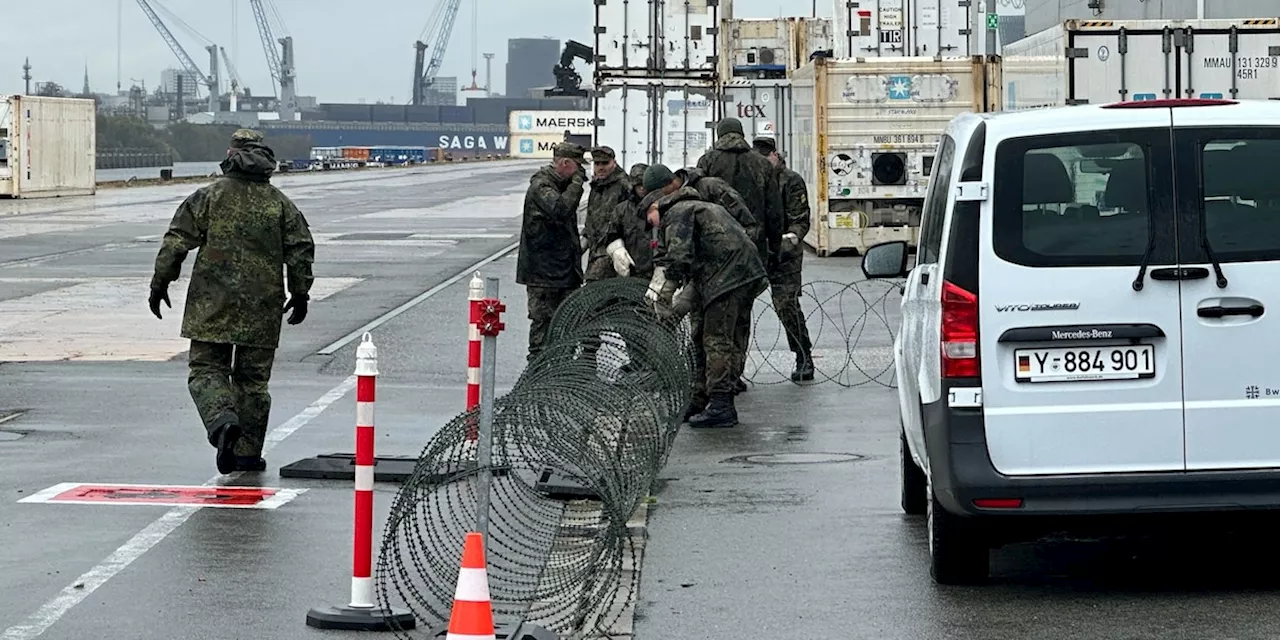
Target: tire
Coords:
[(958, 553), (915, 487)]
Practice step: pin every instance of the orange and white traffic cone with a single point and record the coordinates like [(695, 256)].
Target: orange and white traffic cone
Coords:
[(472, 616)]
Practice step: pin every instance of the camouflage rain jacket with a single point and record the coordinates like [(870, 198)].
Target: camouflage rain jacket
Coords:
[(605, 195), (795, 199), (629, 224), (247, 232), (550, 251), (754, 178), (702, 244), (718, 191)]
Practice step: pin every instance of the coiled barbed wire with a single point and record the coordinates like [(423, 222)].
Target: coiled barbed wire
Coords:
[(850, 326), (600, 405)]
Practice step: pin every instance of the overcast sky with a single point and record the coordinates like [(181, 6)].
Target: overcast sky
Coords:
[(346, 50)]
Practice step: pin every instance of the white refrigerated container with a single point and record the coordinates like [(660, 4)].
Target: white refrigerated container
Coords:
[(898, 28), (651, 120), (1100, 61), (48, 147), (641, 37), (763, 106)]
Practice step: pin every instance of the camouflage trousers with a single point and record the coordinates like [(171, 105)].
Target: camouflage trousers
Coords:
[(543, 302), (785, 290), (228, 383), (721, 331)]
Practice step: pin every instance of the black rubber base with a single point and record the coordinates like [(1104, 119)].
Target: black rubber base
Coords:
[(558, 486), (507, 630), (349, 619), (342, 466)]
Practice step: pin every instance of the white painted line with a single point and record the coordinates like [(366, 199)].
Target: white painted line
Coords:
[(379, 321), (80, 588), (48, 494), (281, 497)]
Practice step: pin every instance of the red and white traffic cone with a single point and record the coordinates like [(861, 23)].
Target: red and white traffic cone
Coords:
[(472, 615)]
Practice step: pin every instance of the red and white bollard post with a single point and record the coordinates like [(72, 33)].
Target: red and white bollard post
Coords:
[(475, 297), (362, 614)]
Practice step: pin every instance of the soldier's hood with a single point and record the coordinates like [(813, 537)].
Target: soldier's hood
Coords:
[(733, 143), (691, 175), (252, 161), (682, 194)]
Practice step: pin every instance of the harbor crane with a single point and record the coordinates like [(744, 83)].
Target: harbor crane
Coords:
[(281, 62), (434, 36), (189, 66)]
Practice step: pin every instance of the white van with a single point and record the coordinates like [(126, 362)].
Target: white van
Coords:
[(1085, 331)]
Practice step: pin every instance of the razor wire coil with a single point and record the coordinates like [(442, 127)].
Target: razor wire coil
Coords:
[(600, 405)]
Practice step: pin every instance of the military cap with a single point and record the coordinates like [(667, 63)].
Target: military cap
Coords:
[(602, 154), (637, 172), (657, 177), (729, 125), (765, 144), (569, 150), (241, 136), (649, 200)]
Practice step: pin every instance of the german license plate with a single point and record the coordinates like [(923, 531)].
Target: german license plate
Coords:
[(1081, 364)]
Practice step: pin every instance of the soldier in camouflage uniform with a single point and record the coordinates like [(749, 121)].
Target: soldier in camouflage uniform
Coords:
[(610, 187), (703, 246), (785, 278), (550, 260), (627, 236), (734, 161), (718, 191), (246, 232)]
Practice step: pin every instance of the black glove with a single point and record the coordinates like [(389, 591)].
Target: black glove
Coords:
[(158, 293), (299, 305)]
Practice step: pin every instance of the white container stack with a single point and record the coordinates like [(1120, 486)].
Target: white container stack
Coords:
[(657, 79)]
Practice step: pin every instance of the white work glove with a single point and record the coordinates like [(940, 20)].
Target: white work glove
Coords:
[(791, 238), (584, 243), (622, 261), (656, 285)]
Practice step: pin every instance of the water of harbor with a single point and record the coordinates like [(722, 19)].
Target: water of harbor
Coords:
[(180, 170)]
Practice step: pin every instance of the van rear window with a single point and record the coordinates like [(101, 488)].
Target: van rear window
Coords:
[(1073, 200), (1240, 196)]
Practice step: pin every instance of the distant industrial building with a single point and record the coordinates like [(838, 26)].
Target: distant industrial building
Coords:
[(442, 92), (169, 82), (529, 65), (1042, 14)]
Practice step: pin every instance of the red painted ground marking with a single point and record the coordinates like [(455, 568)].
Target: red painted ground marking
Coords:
[(142, 494)]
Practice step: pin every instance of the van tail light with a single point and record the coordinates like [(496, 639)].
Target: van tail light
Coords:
[(959, 333)]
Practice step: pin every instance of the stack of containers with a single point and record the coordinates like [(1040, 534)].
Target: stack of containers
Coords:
[(656, 97)]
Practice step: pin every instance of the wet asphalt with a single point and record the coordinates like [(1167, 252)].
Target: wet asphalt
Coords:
[(742, 542)]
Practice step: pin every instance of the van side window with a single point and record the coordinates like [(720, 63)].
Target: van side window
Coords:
[(935, 203), (1085, 204), (1240, 197)]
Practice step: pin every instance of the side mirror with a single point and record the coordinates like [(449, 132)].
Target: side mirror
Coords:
[(885, 260)]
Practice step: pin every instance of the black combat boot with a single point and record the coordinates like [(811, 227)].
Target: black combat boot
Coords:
[(720, 413), (804, 368), (696, 406), (224, 439), (740, 386), (250, 463)]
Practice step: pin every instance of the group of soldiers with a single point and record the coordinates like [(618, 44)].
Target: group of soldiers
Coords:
[(709, 239)]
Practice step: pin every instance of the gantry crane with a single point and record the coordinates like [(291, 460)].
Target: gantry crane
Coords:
[(188, 65), (435, 36), (281, 62)]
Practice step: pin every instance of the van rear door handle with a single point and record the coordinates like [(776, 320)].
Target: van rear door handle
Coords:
[(1180, 273), (1254, 310)]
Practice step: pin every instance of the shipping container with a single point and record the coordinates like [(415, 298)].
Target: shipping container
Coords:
[(533, 123), (810, 35), (772, 47), (348, 112), (867, 152), (897, 28), (457, 115), (534, 145), (388, 112), (656, 121), (763, 106), (493, 112), (636, 38), (422, 114), (48, 147), (326, 153), (356, 153), (398, 155), (1100, 61)]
